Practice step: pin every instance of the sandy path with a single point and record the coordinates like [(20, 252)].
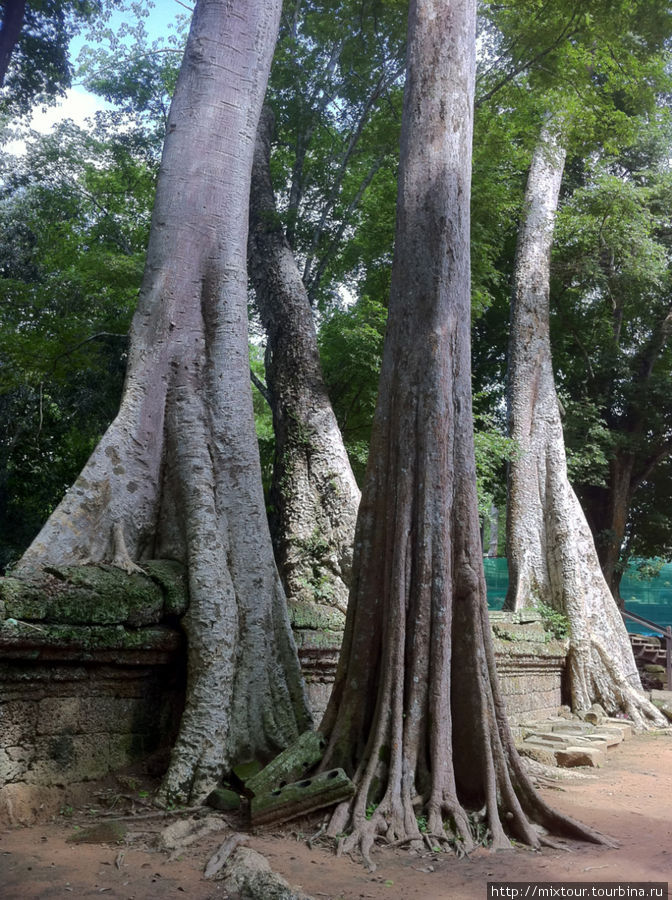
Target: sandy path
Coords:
[(630, 800)]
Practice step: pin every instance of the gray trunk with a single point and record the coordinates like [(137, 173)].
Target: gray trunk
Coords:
[(493, 523), (415, 716), (314, 493), (177, 474), (552, 557)]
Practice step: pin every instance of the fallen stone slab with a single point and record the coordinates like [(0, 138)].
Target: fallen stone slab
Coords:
[(626, 726), (551, 737), (294, 762), (301, 797), (580, 756), (572, 727), (537, 752), (542, 742), (590, 740), (612, 738)]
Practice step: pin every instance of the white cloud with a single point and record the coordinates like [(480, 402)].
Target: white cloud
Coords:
[(78, 105)]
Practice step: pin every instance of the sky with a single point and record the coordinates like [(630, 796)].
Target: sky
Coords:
[(78, 104)]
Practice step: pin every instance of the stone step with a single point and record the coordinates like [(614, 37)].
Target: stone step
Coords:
[(568, 743)]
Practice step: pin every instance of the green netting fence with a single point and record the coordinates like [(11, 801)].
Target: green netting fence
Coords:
[(650, 597)]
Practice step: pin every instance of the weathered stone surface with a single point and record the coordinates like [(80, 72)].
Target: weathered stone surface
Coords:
[(553, 737), (248, 875), (538, 752), (301, 797), (572, 727), (26, 804), (610, 738), (580, 756), (315, 616), (291, 764), (590, 740), (112, 643), (625, 725), (97, 595)]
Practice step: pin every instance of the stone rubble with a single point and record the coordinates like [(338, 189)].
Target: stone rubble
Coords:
[(566, 741)]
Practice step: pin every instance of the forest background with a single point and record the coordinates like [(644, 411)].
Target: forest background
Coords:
[(76, 203)]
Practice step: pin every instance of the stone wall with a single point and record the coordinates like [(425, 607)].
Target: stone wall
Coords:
[(79, 702), (78, 715), (530, 666)]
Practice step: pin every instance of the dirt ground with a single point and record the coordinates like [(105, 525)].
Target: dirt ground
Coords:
[(630, 799)]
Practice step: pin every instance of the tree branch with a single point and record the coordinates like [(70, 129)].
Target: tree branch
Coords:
[(261, 387)]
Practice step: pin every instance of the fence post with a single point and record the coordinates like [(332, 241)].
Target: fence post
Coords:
[(668, 656)]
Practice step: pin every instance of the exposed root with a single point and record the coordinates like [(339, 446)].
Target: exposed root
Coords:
[(361, 839), (595, 677), (121, 558)]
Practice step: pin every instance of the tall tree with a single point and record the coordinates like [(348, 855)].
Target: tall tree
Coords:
[(177, 473), (614, 321), (314, 495), (550, 547), (329, 86), (405, 718)]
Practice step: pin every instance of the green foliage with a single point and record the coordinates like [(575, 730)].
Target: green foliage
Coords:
[(40, 69), (75, 218), (492, 450), (137, 76), (351, 347), (611, 291), (554, 622), (335, 92)]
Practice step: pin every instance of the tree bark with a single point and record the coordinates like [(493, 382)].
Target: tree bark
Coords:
[(177, 474), (416, 717), (314, 494), (493, 524), (550, 548), (12, 22)]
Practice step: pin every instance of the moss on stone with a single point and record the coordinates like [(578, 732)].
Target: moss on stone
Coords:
[(171, 576), (315, 616), (87, 637), (97, 595)]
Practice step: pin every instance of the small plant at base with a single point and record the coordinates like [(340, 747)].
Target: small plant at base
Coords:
[(553, 621)]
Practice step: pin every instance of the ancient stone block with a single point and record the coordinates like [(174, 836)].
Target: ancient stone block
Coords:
[(301, 797), (580, 756), (291, 764), (58, 715), (538, 752)]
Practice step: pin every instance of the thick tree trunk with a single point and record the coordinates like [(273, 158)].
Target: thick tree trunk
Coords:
[(12, 22), (177, 474), (314, 493), (551, 552), (415, 716)]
